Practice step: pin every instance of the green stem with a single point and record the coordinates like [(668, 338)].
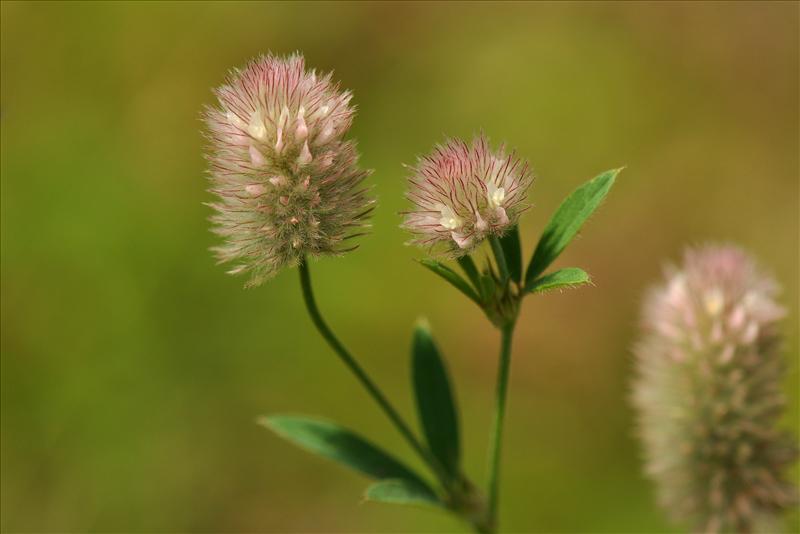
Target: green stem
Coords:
[(500, 258), (361, 375), (495, 439)]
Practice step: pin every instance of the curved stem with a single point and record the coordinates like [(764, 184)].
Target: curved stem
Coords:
[(361, 375), (495, 439)]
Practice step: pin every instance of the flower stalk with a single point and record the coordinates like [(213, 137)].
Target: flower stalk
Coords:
[(496, 435), (462, 496), (361, 375)]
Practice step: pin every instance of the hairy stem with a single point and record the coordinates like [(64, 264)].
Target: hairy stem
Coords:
[(495, 438)]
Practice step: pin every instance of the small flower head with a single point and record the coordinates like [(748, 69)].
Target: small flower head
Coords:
[(463, 193), (288, 184), (708, 393)]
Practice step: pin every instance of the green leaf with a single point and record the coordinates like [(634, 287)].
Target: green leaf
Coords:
[(336, 443), (400, 491), (435, 404), (568, 277), (512, 248), (469, 268), (500, 259), (488, 286), (451, 276), (567, 220)]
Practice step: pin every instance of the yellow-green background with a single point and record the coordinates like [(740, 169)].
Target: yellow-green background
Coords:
[(133, 368)]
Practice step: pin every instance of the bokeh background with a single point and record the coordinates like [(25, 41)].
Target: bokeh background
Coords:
[(133, 368)]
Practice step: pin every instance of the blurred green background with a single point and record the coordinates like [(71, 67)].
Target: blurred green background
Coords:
[(133, 368)]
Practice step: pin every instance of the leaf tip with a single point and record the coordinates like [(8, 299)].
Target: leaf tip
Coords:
[(422, 324), (400, 491), (267, 421)]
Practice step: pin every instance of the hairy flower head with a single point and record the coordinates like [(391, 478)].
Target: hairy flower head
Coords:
[(708, 393), (463, 193), (288, 184)]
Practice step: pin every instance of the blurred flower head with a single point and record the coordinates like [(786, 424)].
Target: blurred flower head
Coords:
[(708, 393), (288, 184), (463, 193)]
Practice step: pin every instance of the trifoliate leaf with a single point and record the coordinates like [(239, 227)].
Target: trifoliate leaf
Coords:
[(567, 220)]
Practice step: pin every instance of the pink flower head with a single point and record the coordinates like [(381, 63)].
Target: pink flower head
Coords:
[(288, 184), (708, 393), (464, 193), (719, 293)]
